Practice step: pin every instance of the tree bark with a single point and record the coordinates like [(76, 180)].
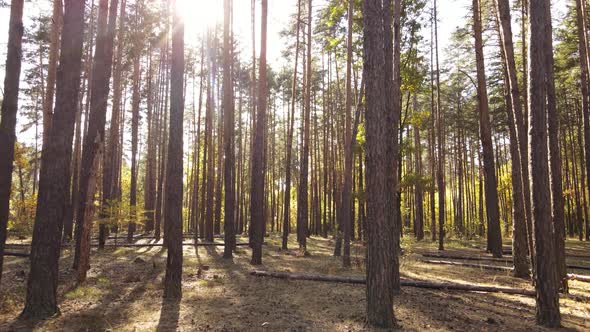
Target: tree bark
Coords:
[(494, 233), (547, 299), (229, 165), (521, 233), (8, 112), (135, 101), (56, 24), (289, 147), (302, 197), (94, 139), (173, 191), (257, 222), (381, 248), (345, 205)]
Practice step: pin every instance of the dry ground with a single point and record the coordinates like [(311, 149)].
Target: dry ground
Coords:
[(124, 293)]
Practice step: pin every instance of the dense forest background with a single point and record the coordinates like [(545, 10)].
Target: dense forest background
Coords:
[(125, 121)]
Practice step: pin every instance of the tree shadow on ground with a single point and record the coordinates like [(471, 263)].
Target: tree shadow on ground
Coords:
[(169, 315)]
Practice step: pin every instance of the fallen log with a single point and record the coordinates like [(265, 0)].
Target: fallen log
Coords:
[(403, 282), (578, 267), (578, 277), (480, 266), (471, 258), (568, 253), (123, 236), (570, 276), (16, 254), (483, 258), (134, 245)]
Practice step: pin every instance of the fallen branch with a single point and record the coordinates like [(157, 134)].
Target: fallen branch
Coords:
[(404, 282), (578, 277), (483, 258), (568, 253), (470, 258), (578, 267), (134, 245), (123, 236), (16, 254), (570, 276), (480, 266)]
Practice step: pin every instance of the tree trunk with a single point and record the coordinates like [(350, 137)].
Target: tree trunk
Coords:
[(547, 299), (517, 138), (289, 147), (440, 171), (257, 222), (8, 118), (136, 99), (173, 192), (229, 165), (381, 248), (494, 237), (555, 162), (56, 23), (41, 299), (345, 215), (94, 139), (302, 197)]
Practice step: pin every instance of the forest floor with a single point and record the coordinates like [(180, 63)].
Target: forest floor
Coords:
[(124, 292)]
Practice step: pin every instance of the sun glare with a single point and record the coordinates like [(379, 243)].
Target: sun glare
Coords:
[(198, 15)]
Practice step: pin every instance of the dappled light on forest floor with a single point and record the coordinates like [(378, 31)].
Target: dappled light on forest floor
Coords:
[(123, 292)]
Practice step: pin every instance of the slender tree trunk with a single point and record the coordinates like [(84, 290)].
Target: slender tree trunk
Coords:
[(418, 190), (345, 208), (302, 197), (56, 24), (494, 243), (289, 147), (518, 151), (94, 139), (136, 99), (229, 165), (440, 172), (557, 204), (257, 222), (8, 118)]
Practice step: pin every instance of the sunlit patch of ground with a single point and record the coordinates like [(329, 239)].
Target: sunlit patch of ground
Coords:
[(124, 293)]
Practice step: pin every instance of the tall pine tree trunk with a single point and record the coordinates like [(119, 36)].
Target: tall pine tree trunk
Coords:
[(229, 125), (41, 299), (289, 147), (494, 238), (173, 192), (547, 299), (381, 248), (94, 139), (257, 222), (8, 118)]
